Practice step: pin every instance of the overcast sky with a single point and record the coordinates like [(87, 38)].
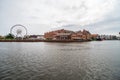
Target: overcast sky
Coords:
[(39, 16)]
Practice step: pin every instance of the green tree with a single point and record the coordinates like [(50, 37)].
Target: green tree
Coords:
[(9, 36)]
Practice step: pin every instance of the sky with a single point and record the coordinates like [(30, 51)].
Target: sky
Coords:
[(40, 16)]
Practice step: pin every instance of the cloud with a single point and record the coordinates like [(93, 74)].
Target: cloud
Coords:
[(70, 14), (75, 12)]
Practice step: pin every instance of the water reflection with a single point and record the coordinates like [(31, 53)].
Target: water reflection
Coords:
[(60, 61)]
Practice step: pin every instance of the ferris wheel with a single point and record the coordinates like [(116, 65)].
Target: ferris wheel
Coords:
[(18, 30)]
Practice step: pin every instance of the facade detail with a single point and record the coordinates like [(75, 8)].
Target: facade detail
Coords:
[(63, 34)]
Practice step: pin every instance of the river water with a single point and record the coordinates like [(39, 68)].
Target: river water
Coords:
[(96, 60)]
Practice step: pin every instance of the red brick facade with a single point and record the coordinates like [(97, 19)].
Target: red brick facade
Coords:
[(68, 35)]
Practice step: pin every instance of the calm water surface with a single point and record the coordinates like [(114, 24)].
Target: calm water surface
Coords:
[(60, 61)]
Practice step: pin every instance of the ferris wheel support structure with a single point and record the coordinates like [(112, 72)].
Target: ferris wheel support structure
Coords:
[(18, 31)]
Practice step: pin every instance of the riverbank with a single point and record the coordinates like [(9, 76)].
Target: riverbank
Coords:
[(44, 40)]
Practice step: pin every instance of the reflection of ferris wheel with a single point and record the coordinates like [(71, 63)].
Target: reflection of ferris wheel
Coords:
[(18, 30)]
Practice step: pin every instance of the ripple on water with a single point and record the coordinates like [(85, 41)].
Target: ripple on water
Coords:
[(57, 61)]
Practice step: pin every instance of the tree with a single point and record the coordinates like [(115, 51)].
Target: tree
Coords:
[(9, 36), (1, 37)]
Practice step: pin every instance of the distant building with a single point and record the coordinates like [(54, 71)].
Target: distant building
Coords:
[(1, 37), (118, 36), (95, 36), (58, 35), (103, 37), (67, 35), (108, 37), (77, 35), (81, 35), (35, 37)]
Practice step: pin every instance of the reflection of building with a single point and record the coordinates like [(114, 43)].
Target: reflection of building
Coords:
[(67, 35)]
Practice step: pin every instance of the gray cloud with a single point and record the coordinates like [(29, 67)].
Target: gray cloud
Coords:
[(98, 16)]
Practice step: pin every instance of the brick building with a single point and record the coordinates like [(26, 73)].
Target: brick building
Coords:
[(67, 35), (58, 35)]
